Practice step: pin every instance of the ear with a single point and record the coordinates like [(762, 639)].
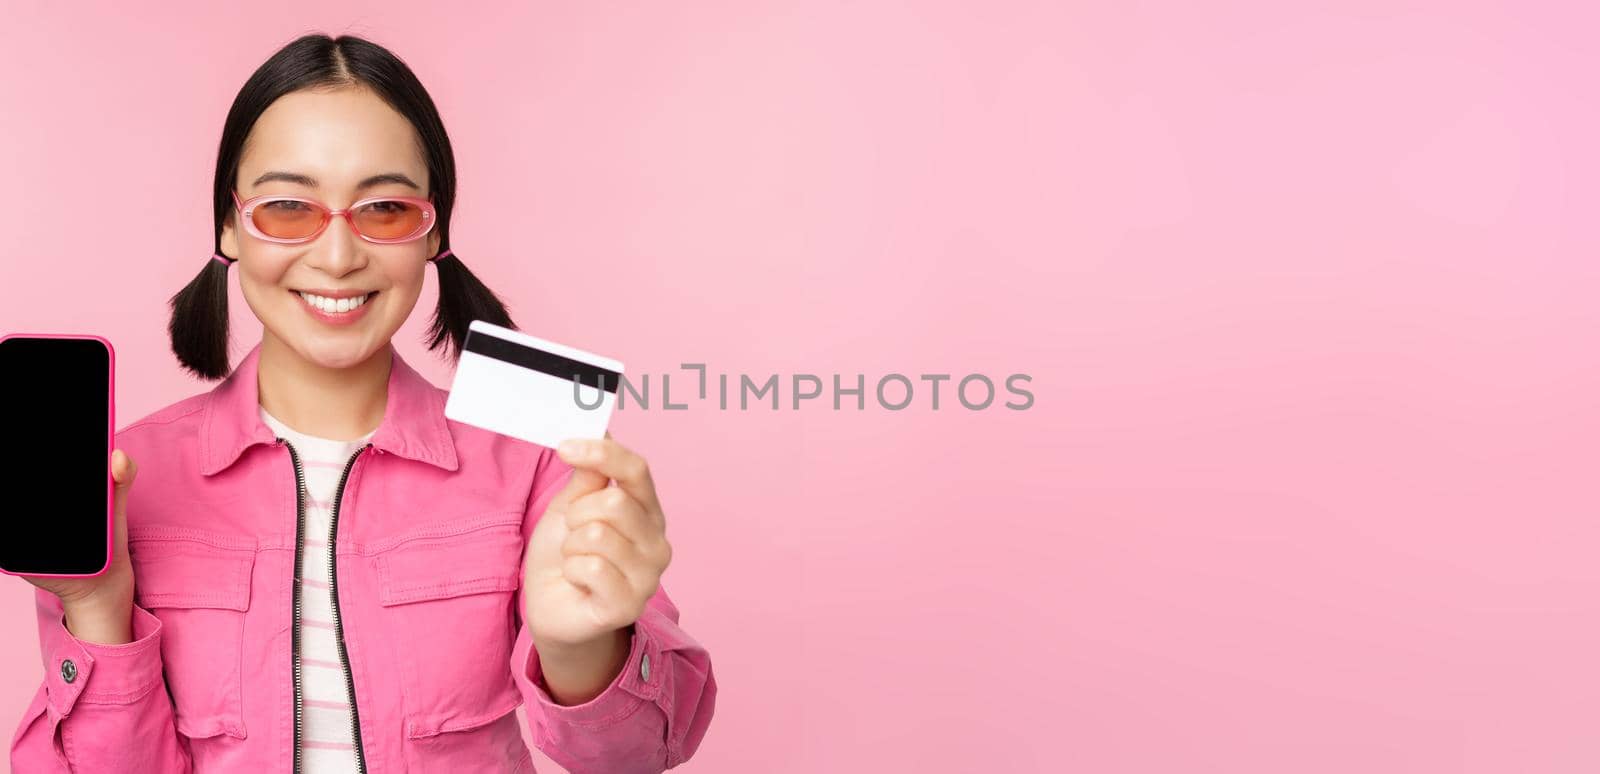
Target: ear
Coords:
[(230, 239), (433, 242)]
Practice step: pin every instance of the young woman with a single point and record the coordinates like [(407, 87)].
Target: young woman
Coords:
[(317, 572)]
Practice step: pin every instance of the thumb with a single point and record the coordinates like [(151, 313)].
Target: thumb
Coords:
[(123, 470)]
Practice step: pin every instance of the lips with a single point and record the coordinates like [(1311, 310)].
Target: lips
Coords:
[(333, 309), (335, 303), (334, 292)]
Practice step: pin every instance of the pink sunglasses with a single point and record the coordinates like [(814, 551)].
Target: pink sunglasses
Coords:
[(289, 220)]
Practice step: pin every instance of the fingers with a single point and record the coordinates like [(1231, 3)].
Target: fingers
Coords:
[(603, 540), (610, 593), (581, 483), (615, 461), (612, 505), (616, 546), (612, 525)]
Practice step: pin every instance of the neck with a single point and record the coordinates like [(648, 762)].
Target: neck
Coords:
[(341, 403)]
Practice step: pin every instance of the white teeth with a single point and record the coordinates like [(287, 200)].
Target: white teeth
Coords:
[(335, 306)]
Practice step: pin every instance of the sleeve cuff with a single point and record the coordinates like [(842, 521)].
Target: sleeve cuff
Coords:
[(639, 682), (104, 674)]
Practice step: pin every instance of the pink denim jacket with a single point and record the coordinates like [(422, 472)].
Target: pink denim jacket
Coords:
[(430, 526)]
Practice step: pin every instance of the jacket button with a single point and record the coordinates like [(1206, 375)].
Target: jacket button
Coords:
[(69, 670), (644, 667)]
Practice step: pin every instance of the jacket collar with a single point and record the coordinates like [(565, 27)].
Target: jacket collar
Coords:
[(413, 423)]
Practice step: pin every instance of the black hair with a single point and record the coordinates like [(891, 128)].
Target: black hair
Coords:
[(199, 324)]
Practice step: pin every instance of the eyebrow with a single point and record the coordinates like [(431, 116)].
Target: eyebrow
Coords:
[(311, 182)]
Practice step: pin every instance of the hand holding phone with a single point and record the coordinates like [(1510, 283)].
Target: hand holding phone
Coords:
[(99, 608), (63, 520)]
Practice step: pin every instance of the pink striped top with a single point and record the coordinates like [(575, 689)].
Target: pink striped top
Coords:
[(327, 742)]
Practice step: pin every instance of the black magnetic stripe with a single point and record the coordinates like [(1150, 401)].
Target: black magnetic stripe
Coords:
[(544, 362)]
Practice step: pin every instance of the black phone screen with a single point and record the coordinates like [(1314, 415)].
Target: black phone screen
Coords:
[(55, 456)]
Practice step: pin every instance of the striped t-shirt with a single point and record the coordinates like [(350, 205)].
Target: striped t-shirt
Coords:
[(326, 742)]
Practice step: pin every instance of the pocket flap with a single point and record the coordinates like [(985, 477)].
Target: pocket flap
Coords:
[(170, 572), (480, 561)]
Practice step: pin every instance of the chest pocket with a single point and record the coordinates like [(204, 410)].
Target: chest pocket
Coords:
[(200, 590), (449, 604)]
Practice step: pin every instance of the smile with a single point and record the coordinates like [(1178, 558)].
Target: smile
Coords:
[(335, 305)]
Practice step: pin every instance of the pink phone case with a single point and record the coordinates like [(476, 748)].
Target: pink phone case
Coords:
[(111, 434)]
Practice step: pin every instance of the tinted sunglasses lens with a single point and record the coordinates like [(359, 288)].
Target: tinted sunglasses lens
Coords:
[(285, 219), (389, 219)]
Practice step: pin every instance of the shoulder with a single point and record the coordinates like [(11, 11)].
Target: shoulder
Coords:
[(164, 444), (514, 458), (175, 421)]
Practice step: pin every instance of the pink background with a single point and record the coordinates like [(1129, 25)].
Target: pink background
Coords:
[(1308, 295)]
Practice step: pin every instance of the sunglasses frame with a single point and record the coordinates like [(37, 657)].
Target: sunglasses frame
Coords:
[(247, 207)]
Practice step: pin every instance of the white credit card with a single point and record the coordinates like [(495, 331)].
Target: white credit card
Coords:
[(529, 388)]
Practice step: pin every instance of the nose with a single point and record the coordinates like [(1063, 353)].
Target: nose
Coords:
[(338, 250)]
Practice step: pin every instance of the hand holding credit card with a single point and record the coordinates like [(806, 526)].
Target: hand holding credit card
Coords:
[(596, 555), (522, 386)]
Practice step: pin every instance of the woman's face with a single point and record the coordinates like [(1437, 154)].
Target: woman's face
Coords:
[(328, 146)]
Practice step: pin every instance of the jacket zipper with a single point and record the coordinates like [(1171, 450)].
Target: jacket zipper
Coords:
[(333, 594)]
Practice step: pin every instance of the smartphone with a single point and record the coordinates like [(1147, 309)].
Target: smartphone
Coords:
[(56, 408)]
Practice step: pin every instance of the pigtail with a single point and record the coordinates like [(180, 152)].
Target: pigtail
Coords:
[(199, 324), (462, 299)]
